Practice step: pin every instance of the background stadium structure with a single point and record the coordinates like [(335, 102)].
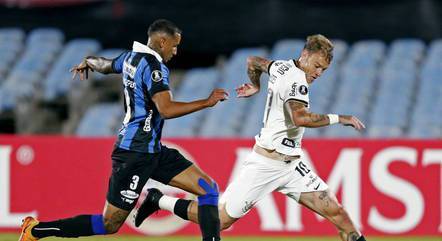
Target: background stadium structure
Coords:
[(394, 88)]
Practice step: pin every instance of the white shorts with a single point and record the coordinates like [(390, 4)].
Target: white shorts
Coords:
[(260, 176)]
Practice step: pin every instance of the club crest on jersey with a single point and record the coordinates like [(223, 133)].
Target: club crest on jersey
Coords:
[(156, 75), (303, 90)]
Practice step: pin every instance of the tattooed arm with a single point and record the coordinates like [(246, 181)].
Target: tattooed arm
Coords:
[(301, 116), (99, 64), (92, 63), (255, 67)]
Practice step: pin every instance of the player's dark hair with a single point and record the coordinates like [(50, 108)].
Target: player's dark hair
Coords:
[(165, 26), (319, 43)]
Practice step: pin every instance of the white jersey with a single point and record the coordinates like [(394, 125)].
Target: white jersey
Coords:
[(261, 175), (286, 82)]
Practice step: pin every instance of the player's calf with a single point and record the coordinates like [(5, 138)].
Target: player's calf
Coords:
[(82, 225), (331, 209), (208, 216)]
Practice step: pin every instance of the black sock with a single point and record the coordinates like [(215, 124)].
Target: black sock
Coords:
[(208, 216), (361, 238), (83, 225), (181, 208), (209, 222)]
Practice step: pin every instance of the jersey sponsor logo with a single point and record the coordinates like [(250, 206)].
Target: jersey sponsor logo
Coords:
[(294, 90), (129, 69), (283, 69), (147, 126), (303, 89), (156, 76), (129, 83), (288, 142), (291, 143)]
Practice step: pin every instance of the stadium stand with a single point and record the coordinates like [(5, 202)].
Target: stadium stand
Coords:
[(395, 88), (59, 79)]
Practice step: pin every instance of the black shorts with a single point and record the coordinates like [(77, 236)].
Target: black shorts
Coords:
[(131, 170)]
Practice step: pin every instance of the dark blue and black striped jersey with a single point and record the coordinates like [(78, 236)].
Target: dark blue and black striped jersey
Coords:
[(144, 74)]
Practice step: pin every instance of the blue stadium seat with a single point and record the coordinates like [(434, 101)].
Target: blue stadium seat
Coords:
[(100, 120), (356, 84), (227, 119), (287, 49), (59, 80), (42, 36), (42, 46), (11, 35), (196, 84)]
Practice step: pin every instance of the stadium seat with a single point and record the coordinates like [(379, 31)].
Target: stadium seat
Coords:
[(196, 84), (100, 120), (59, 79), (227, 120), (25, 76)]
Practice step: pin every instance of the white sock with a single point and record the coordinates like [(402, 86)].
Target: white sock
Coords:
[(167, 203)]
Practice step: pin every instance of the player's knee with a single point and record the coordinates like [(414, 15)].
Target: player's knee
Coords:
[(211, 192)]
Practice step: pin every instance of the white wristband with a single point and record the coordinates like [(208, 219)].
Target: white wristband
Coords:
[(334, 119)]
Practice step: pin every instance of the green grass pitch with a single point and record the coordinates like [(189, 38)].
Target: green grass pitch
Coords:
[(14, 237)]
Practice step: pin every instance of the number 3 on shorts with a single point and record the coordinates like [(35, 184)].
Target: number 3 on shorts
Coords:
[(134, 183)]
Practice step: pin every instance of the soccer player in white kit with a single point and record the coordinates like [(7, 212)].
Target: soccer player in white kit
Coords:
[(276, 163)]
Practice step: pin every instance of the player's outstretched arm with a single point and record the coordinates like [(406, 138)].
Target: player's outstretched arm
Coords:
[(255, 67), (301, 116), (92, 63), (169, 108)]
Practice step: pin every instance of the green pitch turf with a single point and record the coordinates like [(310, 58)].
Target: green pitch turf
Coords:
[(14, 237)]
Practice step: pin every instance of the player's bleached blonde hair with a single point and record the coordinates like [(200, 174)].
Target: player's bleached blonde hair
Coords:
[(319, 43)]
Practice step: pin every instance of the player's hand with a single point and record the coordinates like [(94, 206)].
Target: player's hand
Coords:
[(216, 96), (82, 69), (349, 120), (246, 90)]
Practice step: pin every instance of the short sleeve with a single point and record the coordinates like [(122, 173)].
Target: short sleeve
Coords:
[(117, 63), (273, 66), (157, 80), (295, 89)]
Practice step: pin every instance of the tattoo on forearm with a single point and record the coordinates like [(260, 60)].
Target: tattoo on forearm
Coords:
[(100, 64), (256, 67), (324, 197), (315, 118), (254, 76), (261, 64)]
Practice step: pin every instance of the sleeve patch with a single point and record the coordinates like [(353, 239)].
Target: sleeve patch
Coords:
[(303, 90), (156, 75)]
